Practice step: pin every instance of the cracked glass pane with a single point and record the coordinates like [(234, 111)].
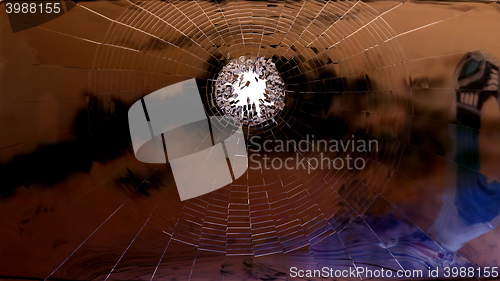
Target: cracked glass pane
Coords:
[(305, 140)]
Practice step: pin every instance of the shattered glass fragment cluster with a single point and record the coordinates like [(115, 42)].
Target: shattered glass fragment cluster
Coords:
[(253, 105)]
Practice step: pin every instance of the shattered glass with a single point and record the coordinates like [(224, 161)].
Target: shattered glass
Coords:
[(420, 77)]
